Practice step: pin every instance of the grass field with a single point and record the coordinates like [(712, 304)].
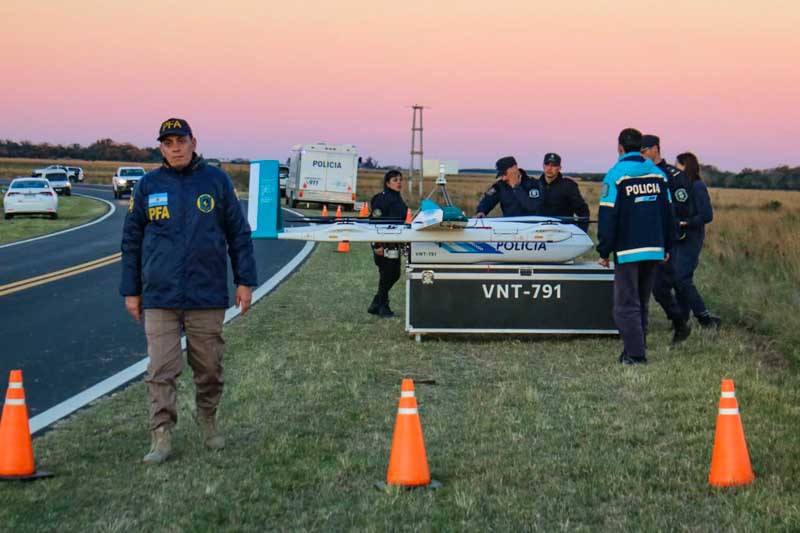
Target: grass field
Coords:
[(72, 211), (525, 433)]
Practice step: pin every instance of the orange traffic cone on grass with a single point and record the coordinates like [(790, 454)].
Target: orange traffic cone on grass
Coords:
[(409, 216), (730, 462), (324, 210), (339, 212), (343, 247), (16, 450), (408, 462), (364, 212)]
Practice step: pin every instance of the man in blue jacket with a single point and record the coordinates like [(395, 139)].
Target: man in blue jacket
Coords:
[(183, 218), (636, 224), (517, 193)]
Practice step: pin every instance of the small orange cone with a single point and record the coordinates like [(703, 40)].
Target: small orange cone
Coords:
[(408, 216), (730, 462), (343, 247), (339, 212), (364, 212), (407, 388), (324, 210), (16, 451)]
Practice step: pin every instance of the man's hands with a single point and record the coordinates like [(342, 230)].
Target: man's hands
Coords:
[(244, 296), (603, 262), (133, 304), (480, 215)]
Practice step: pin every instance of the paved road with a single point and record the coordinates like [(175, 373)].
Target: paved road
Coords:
[(69, 334)]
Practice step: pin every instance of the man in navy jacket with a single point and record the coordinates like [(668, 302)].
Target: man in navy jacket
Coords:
[(636, 225), (517, 193), (183, 219)]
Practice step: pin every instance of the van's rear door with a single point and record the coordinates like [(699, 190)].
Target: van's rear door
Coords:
[(312, 171), (340, 173)]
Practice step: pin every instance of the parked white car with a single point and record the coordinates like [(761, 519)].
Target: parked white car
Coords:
[(59, 180), (30, 196), (124, 180)]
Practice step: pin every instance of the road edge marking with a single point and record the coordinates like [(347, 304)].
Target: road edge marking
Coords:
[(70, 405), (63, 231)]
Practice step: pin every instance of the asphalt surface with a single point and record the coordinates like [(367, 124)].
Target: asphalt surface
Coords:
[(70, 334)]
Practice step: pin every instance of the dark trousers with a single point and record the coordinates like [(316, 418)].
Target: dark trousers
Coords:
[(633, 283), (388, 274), (674, 287)]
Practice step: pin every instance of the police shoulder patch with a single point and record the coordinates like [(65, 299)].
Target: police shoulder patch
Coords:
[(205, 203), (681, 195), (490, 191), (533, 193), (377, 212), (130, 204)]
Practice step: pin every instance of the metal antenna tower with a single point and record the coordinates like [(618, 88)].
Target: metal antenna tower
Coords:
[(416, 150)]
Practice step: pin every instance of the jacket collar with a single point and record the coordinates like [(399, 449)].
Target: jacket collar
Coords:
[(632, 156)]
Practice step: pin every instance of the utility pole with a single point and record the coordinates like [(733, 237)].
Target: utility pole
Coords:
[(416, 150)]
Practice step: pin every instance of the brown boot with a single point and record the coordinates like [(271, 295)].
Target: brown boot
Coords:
[(160, 447), (211, 437)]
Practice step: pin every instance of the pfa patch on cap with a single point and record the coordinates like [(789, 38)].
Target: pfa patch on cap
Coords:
[(681, 195)]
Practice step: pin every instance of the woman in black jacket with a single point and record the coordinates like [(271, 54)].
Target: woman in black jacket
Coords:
[(688, 248), (387, 204)]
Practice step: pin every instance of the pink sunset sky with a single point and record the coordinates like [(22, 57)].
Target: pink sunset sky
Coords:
[(720, 78)]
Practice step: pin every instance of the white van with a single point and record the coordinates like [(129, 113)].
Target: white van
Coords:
[(322, 173)]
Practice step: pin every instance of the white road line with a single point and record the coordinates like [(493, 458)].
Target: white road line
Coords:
[(69, 406), (62, 232)]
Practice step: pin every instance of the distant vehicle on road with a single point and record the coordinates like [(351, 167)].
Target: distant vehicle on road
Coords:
[(322, 173), (58, 180), (283, 175), (125, 179), (39, 172), (75, 173), (30, 196)]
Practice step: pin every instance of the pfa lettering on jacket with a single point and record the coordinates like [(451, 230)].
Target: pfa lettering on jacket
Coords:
[(157, 206)]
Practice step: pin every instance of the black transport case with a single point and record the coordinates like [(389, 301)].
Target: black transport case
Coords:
[(509, 298)]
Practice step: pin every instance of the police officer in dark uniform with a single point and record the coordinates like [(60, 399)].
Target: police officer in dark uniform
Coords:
[(672, 283), (560, 195), (518, 194), (184, 221), (387, 204)]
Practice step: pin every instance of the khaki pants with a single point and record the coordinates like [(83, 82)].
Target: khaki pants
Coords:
[(204, 349)]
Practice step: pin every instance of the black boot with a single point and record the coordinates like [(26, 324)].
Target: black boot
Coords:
[(374, 306), (682, 331), (384, 311), (709, 321)]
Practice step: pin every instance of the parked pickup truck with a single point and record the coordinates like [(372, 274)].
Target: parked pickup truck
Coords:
[(125, 179)]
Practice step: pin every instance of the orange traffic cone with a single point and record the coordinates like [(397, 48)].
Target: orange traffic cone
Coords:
[(324, 210), (408, 462), (730, 462), (408, 216), (343, 247), (339, 212), (16, 451), (407, 388), (364, 212)]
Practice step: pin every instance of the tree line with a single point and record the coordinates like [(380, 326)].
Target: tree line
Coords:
[(782, 178)]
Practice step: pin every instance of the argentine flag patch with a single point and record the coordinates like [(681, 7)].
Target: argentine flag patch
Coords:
[(157, 199)]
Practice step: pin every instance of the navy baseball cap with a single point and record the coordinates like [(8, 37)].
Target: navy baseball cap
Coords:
[(648, 141), (174, 126), (504, 163), (552, 158)]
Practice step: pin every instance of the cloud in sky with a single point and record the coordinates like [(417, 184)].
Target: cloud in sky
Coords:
[(504, 77)]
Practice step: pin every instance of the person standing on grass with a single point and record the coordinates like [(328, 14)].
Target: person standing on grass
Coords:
[(693, 226), (666, 283), (387, 204), (517, 194), (636, 225), (561, 196), (183, 218)]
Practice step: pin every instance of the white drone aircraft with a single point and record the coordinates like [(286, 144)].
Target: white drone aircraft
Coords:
[(436, 234)]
